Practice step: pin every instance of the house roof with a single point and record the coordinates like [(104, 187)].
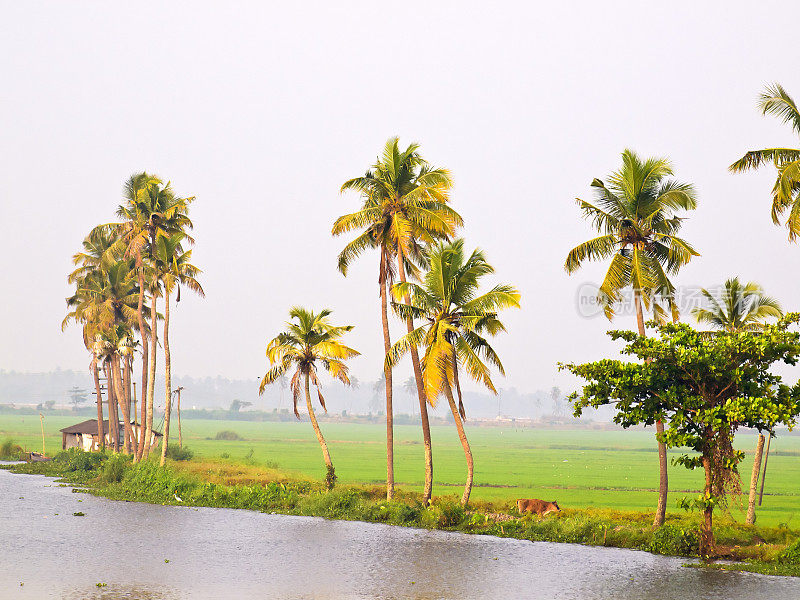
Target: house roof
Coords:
[(90, 426)]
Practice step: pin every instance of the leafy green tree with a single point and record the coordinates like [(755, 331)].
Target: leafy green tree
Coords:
[(404, 203), (741, 308), (456, 317), (706, 386), (775, 101), (635, 214), (309, 339)]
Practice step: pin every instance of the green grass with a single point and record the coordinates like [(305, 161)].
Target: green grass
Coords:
[(614, 470)]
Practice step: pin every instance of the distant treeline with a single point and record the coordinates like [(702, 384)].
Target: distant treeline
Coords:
[(216, 395)]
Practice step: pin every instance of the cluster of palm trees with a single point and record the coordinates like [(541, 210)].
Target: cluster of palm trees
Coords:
[(638, 215), (434, 287), (124, 268)]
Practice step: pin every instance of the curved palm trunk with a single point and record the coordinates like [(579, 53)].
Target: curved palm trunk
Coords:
[(331, 478), (462, 435), (151, 380), (167, 380), (145, 352), (101, 436), (751, 503), (663, 476), (120, 395), (387, 346), (423, 402)]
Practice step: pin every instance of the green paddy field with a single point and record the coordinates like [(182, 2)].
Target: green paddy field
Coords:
[(578, 468)]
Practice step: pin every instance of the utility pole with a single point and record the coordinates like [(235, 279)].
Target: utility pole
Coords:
[(180, 433), (41, 418)]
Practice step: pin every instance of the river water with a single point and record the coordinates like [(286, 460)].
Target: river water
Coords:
[(147, 552)]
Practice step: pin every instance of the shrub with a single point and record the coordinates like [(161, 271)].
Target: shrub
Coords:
[(340, 504), (443, 514), (228, 435), (177, 453), (114, 468), (674, 540), (791, 555), (9, 450), (77, 460), (330, 477)]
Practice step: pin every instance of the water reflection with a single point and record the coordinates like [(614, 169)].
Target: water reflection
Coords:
[(148, 552)]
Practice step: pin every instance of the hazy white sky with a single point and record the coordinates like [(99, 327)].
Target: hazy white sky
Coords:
[(262, 110)]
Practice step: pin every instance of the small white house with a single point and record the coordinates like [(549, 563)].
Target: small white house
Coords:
[(84, 435)]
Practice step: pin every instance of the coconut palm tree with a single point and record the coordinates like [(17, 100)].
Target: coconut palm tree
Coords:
[(175, 269), (775, 101), (150, 210), (104, 300), (308, 341), (404, 203), (114, 346), (456, 318), (738, 307), (741, 308), (635, 215)]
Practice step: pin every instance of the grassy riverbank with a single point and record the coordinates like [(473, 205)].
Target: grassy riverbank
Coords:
[(219, 483), (581, 469)]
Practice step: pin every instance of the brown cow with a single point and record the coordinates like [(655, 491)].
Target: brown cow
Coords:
[(539, 507)]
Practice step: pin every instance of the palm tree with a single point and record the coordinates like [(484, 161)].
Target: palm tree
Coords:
[(114, 346), (456, 316), (741, 308), (104, 301), (175, 269), (150, 210), (404, 203), (774, 100), (738, 308), (635, 216), (309, 339)]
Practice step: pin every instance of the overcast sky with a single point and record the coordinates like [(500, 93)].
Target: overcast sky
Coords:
[(262, 111)]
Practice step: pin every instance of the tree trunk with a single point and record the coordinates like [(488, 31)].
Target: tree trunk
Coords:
[(120, 394), (101, 436), (464, 443), (663, 476), (145, 352), (331, 477), (707, 531), (180, 432), (126, 382), (764, 474), (113, 413), (151, 378), (387, 371), (167, 380), (751, 503), (423, 402)]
